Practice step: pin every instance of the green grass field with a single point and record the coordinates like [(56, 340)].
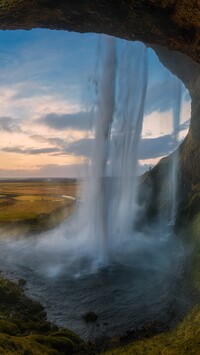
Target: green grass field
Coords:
[(36, 205)]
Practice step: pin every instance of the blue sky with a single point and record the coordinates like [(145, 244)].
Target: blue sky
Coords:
[(44, 128)]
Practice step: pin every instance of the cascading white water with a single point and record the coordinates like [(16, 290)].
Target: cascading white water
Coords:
[(97, 203), (169, 182), (111, 203), (126, 133), (173, 173)]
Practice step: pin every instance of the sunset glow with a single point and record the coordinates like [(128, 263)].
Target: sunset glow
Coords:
[(45, 130)]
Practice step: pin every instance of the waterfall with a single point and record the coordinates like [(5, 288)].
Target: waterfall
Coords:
[(127, 128), (110, 205), (173, 173), (98, 202)]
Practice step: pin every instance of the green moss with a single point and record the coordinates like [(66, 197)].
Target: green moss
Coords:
[(23, 346), (184, 339), (7, 5), (40, 344), (195, 258), (61, 344), (190, 230), (8, 327), (24, 329)]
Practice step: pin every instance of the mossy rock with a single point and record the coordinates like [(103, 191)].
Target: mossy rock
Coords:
[(194, 267), (62, 332), (63, 344), (90, 317), (24, 329)]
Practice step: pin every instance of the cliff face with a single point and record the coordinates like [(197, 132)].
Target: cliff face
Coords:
[(189, 72)]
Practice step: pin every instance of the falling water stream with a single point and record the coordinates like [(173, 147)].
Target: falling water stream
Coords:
[(173, 174), (96, 260), (112, 183)]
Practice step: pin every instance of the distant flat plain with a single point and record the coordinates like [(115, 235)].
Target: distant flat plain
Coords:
[(29, 206)]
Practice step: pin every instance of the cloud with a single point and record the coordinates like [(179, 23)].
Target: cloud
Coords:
[(9, 125), (57, 142), (54, 170), (184, 125), (159, 98), (162, 96), (29, 151), (81, 147), (28, 102), (148, 147), (159, 146), (155, 147), (79, 121), (47, 171)]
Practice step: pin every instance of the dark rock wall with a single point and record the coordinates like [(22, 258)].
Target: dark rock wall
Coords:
[(189, 72), (171, 23)]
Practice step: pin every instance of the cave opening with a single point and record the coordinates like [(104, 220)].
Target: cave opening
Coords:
[(59, 134), (171, 28)]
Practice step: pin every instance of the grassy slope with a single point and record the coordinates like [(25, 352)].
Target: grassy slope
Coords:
[(24, 329), (195, 262), (184, 339)]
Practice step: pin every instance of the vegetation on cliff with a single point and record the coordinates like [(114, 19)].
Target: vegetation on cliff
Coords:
[(25, 330), (184, 339)]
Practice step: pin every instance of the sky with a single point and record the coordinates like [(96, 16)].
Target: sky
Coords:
[(45, 130)]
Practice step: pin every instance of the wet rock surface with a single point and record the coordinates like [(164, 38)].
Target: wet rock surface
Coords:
[(90, 317)]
